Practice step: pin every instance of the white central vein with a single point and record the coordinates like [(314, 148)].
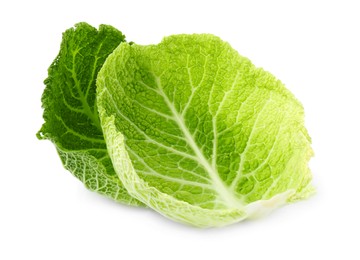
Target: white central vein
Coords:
[(227, 196)]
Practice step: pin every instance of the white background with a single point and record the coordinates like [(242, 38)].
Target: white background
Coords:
[(312, 46)]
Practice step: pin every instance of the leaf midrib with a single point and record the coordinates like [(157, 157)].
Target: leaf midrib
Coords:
[(224, 193)]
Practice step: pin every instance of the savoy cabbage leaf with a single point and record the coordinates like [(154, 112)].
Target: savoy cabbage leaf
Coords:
[(198, 133), (70, 112)]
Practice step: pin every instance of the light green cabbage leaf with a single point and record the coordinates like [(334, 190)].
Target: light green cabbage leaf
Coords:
[(198, 133), (70, 112)]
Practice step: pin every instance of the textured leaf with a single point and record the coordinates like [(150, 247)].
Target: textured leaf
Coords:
[(70, 112), (199, 134)]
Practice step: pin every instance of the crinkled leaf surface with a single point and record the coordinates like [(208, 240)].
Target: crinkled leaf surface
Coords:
[(70, 112), (201, 135)]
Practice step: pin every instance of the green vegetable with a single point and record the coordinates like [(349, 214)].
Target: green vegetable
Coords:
[(70, 112), (198, 133), (191, 128)]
